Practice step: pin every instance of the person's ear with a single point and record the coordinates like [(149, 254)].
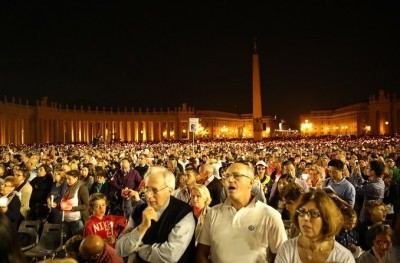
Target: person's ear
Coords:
[(251, 183)]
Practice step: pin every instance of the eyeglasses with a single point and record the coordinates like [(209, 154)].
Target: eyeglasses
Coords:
[(384, 243), (260, 167), (235, 176), (154, 191), (302, 212)]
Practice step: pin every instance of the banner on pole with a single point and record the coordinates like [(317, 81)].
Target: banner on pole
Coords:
[(193, 124)]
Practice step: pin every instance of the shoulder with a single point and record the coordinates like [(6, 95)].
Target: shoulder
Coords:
[(366, 257), (83, 189), (27, 187), (289, 246), (269, 210), (219, 208), (179, 203), (341, 254)]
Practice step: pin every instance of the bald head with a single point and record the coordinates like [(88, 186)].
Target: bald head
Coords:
[(91, 247)]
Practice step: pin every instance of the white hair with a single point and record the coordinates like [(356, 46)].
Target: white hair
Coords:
[(169, 177)]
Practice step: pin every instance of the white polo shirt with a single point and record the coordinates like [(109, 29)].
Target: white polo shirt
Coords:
[(247, 235)]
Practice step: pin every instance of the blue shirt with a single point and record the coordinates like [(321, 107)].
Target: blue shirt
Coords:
[(344, 189)]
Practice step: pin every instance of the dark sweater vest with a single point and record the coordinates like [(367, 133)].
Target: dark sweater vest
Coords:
[(159, 231)]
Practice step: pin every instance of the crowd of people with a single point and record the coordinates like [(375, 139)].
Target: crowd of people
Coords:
[(330, 199)]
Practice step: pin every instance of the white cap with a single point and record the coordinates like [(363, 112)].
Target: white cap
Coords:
[(261, 163)]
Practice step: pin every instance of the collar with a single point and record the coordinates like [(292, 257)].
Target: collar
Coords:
[(209, 179), (375, 253), (341, 181), (252, 203)]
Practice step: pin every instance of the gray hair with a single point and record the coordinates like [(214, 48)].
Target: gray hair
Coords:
[(206, 168), (169, 177)]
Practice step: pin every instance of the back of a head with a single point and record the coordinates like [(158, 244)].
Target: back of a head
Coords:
[(377, 166)]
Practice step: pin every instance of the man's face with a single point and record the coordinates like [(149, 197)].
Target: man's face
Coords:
[(99, 208), (203, 175), (336, 174), (142, 160), (157, 193), (125, 167), (238, 182), (190, 178)]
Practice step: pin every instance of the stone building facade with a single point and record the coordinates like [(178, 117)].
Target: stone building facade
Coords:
[(49, 122), (380, 115)]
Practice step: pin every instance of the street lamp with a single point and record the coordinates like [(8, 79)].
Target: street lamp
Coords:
[(306, 127)]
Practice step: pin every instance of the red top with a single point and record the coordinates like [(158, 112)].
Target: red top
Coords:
[(102, 227)]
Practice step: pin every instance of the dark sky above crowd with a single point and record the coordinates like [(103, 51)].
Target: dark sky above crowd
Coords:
[(313, 54)]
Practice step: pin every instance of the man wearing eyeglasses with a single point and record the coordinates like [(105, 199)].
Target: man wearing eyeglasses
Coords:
[(162, 229), (241, 229)]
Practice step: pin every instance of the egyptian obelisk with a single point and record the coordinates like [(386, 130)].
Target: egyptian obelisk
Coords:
[(257, 108)]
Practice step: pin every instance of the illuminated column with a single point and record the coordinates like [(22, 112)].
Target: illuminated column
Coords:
[(257, 108)]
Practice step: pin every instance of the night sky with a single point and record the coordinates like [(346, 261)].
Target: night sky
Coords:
[(313, 54)]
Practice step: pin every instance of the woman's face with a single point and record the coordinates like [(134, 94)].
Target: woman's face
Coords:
[(57, 177), (281, 183), (260, 170), (378, 214), (71, 180), (197, 200), (310, 221), (84, 171), (182, 181), (382, 243), (289, 204)]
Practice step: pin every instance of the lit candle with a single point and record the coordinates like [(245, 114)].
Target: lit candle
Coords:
[(112, 228), (62, 216), (51, 200)]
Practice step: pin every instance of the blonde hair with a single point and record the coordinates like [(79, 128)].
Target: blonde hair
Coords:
[(204, 193)]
